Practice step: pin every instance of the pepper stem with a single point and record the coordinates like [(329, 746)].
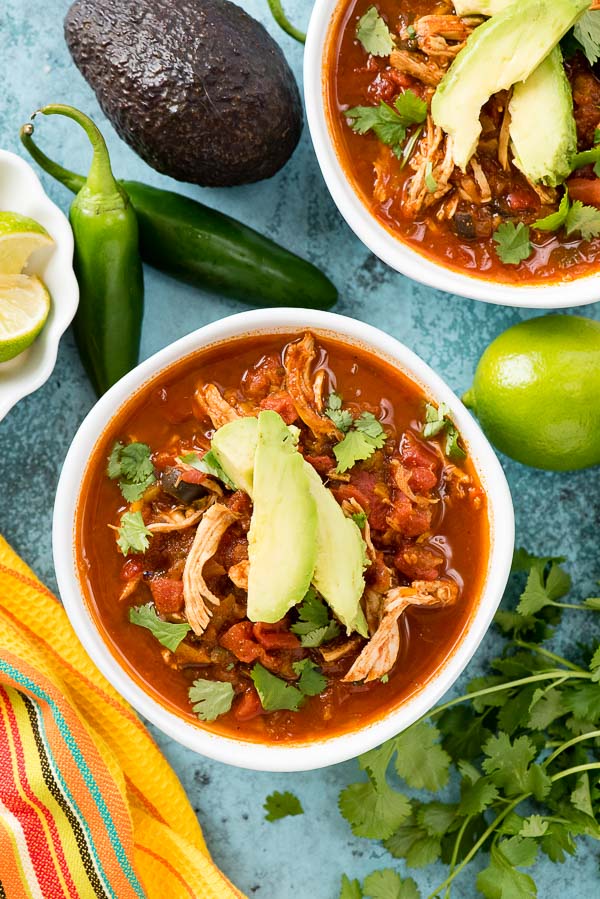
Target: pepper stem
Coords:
[(100, 179), (71, 180)]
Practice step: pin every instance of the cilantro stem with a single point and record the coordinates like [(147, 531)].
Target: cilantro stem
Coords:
[(547, 654), (578, 769), (457, 843), (564, 746), (570, 605)]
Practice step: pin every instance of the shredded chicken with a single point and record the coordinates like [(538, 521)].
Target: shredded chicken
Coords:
[(415, 65), (482, 182), (547, 195), (381, 652), (239, 574), (334, 653), (208, 397), (206, 542), (373, 609), (504, 139), (434, 33), (433, 159), (318, 385), (176, 520), (298, 362), (130, 587)]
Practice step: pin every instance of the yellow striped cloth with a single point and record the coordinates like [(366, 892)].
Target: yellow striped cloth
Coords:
[(89, 807)]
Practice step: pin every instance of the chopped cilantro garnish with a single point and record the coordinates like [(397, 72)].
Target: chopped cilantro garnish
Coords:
[(314, 626), (587, 33), (360, 519), (597, 137), (210, 698), (374, 34), (512, 243), (389, 124), (411, 32), (342, 418), (430, 182), (360, 443), (583, 219), (133, 533), (312, 681), (274, 692), (132, 466), (209, 464), (167, 633), (557, 219), (282, 805), (438, 420)]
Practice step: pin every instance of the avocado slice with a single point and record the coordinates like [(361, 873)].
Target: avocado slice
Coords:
[(503, 51), (480, 7), (234, 445), (282, 540), (340, 552), (542, 126)]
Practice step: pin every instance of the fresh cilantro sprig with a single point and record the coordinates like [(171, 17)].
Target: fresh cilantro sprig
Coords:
[(314, 625), (557, 219), (282, 805), (342, 418), (169, 634), (208, 464), (311, 680), (525, 743), (274, 692), (360, 442), (210, 698), (132, 466), (438, 420), (390, 124), (587, 34), (512, 243), (574, 217), (134, 536), (373, 33)]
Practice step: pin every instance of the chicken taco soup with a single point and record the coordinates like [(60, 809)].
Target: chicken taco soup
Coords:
[(471, 130), (282, 537)]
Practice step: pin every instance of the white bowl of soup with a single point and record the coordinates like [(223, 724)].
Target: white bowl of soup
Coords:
[(428, 220), (156, 545)]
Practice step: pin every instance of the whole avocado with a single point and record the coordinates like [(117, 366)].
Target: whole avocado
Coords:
[(197, 88)]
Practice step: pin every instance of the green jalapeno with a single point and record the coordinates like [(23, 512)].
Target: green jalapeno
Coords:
[(107, 265)]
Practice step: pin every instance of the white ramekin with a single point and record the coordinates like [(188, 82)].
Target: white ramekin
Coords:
[(326, 751), (398, 255)]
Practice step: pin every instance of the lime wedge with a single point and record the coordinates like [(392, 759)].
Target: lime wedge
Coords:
[(19, 237), (24, 308)]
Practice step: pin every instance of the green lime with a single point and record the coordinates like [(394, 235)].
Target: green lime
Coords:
[(19, 237), (537, 392), (24, 308)]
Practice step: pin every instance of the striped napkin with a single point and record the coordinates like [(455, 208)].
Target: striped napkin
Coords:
[(88, 805)]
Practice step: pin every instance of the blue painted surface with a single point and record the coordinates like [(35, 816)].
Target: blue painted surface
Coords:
[(303, 856)]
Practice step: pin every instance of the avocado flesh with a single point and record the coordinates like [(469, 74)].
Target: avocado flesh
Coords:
[(234, 445), (503, 51), (481, 7), (282, 540), (340, 552), (542, 126)]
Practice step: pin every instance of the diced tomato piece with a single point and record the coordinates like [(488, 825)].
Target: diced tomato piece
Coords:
[(377, 574), (133, 568), (193, 476), (275, 636), (164, 460), (241, 505), (422, 480), (587, 191), (322, 464), (283, 404), (347, 491), (239, 640), (167, 595), (373, 489), (419, 562), (405, 518), (247, 705), (415, 454)]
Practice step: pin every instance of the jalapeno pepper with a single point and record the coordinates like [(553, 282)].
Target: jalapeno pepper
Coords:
[(107, 264), (204, 247)]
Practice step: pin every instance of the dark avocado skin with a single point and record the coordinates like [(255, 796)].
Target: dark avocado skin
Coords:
[(197, 88)]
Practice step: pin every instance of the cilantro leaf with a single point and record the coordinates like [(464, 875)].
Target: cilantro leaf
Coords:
[(210, 698), (342, 418), (584, 219), (133, 533), (387, 884), (557, 219), (510, 766), (438, 420), (501, 879), (535, 826), (420, 760), (282, 805), (464, 732), (314, 625), (312, 681), (359, 443), (132, 465), (274, 692), (167, 633), (374, 34), (476, 795), (371, 812), (210, 465), (587, 33), (359, 519), (430, 182), (389, 124), (372, 428), (350, 889), (512, 243), (543, 589), (321, 635)]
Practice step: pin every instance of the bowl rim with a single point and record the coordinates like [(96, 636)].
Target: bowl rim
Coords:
[(39, 360), (390, 249), (329, 750)]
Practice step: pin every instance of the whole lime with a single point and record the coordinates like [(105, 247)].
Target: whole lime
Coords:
[(536, 392)]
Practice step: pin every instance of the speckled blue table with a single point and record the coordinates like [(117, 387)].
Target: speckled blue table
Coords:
[(304, 856)]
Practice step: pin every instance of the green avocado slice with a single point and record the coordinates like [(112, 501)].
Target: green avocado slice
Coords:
[(234, 445), (282, 540), (481, 7), (503, 51)]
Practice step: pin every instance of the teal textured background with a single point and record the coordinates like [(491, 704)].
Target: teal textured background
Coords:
[(303, 856)]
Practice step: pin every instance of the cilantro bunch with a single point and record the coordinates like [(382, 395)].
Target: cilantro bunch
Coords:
[(525, 743)]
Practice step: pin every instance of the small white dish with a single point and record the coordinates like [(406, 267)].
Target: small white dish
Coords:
[(390, 249), (328, 750), (21, 191)]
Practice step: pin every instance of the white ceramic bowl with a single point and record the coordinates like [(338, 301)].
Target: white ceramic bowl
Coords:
[(379, 240), (327, 751), (21, 191)]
